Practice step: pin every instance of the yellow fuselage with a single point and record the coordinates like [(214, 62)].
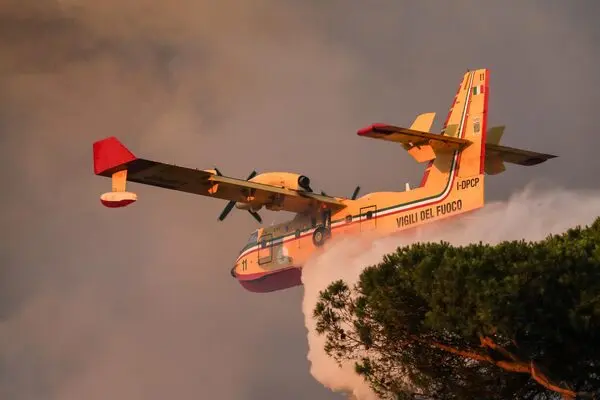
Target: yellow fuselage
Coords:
[(274, 256)]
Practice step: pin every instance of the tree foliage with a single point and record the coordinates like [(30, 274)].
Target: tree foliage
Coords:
[(514, 320)]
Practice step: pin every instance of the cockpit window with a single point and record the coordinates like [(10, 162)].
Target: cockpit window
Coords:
[(251, 241), (253, 237)]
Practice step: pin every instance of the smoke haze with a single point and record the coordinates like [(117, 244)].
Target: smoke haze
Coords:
[(138, 303)]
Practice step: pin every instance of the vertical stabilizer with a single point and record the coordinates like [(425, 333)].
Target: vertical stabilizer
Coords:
[(472, 159), (467, 119)]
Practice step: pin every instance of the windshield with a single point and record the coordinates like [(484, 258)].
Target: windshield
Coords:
[(251, 241), (253, 237)]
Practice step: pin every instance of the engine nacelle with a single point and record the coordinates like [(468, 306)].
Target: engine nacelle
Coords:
[(248, 206), (286, 180)]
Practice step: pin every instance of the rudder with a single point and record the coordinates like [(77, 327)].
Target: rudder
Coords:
[(472, 158)]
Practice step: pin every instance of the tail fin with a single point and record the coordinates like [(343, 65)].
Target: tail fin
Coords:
[(461, 133), (466, 122), (471, 161), (463, 148)]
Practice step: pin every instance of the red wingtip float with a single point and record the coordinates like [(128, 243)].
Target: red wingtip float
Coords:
[(111, 158), (117, 199)]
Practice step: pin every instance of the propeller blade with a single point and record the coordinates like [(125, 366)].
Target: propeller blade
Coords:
[(231, 203), (226, 210), (355, 193), (256, 216)]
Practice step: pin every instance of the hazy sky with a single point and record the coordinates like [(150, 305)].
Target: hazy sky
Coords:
[(139, 303)]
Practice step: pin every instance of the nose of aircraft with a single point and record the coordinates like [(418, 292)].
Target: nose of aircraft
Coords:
[(233, 270)]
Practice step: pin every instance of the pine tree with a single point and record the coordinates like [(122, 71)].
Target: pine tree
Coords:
[(514, 320)]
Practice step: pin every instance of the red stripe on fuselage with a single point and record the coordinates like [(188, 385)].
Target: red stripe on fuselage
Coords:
[(486, 91)]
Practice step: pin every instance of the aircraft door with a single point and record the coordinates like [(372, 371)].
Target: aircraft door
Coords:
[(368, 222), (265, 249)]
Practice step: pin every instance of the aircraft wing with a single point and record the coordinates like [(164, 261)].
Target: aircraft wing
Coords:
[(411, 137), (516, 156), (110, 156)]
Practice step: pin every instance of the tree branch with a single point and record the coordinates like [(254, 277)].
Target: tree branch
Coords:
[(514, 365)]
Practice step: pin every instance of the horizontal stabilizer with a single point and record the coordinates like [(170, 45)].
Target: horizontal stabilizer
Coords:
[(496, 155), (516, 156), (421, 145)]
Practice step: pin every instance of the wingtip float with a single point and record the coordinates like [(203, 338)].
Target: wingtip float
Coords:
[(458, 159), (112, 158)]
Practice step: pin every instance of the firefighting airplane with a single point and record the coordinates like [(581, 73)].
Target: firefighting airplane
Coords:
[(453, 183)]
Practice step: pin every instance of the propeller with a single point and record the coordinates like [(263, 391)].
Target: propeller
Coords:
[(256, 216), (355, 193), (231, 203)]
